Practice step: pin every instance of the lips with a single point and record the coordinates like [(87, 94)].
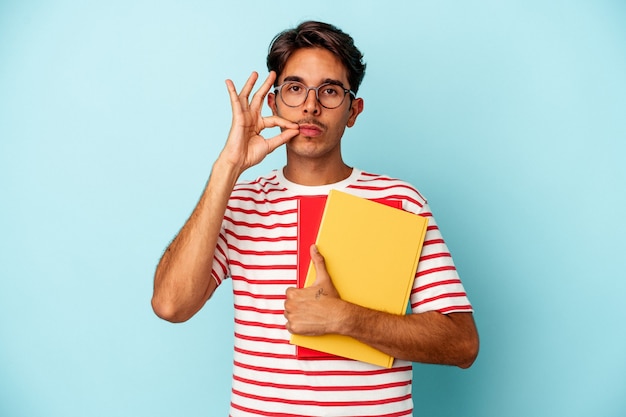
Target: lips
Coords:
[(310, 130)]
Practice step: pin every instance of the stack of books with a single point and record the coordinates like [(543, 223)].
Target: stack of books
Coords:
[(371, 249)]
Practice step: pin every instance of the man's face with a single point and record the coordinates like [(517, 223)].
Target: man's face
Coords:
[(321, 129)]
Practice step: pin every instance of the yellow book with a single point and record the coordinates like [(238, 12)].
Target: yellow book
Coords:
[(371, 252)]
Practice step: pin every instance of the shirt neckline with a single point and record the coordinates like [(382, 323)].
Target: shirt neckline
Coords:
[(299, 189)]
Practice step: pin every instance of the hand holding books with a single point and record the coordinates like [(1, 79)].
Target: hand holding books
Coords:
[(306, 309)]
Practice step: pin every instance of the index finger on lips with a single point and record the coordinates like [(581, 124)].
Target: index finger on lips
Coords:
[(276, 121)]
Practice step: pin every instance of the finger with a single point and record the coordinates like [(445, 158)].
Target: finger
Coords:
[(280, 139), (249, 85), (289, 292), (247, 89), (277, 121), (320, 266), (289, 130), (234, 97), (259, 96)]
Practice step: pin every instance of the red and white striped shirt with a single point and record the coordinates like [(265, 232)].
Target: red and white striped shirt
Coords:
[(257, 248)]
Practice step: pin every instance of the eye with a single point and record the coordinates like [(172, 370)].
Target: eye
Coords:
[(330, 90), (294, 88)]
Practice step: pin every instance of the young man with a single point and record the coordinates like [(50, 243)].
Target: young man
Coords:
[(248, 231)]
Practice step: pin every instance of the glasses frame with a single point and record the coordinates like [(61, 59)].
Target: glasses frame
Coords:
[(346, 91)]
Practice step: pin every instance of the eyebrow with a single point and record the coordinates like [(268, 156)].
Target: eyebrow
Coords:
[(325, 81)]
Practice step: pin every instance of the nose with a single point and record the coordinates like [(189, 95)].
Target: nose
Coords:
[(311, 105)]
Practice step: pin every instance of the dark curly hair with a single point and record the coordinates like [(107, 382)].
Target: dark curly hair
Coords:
[(313, 34)]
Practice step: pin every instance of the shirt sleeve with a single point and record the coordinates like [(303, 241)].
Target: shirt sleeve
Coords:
[(437, 286), (220, 270)]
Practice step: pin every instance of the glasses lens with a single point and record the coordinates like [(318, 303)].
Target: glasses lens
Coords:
[(330, 95), (293, 93)]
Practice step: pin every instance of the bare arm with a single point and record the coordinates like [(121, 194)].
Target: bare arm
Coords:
[(429, 337), (182, 281)]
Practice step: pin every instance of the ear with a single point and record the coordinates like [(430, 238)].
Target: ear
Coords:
[(355, 109), (271, 102)]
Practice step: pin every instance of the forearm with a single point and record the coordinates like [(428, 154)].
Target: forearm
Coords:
[(428, 337), (183, 282)]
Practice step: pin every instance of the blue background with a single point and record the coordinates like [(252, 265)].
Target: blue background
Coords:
[(508, 115)]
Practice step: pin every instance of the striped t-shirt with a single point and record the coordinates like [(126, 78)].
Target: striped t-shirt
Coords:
[(257, 249)]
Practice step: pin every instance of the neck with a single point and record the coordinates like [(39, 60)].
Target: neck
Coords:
[(311, 173)]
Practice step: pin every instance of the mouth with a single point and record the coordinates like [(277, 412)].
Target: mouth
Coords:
[(310, 130)]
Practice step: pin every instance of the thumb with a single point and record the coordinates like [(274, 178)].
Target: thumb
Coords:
[(319, 263)]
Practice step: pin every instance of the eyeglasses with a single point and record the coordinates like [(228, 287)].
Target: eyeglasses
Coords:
[(330, 96)]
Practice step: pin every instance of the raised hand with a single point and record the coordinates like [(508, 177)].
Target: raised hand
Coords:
[(245, 147)]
